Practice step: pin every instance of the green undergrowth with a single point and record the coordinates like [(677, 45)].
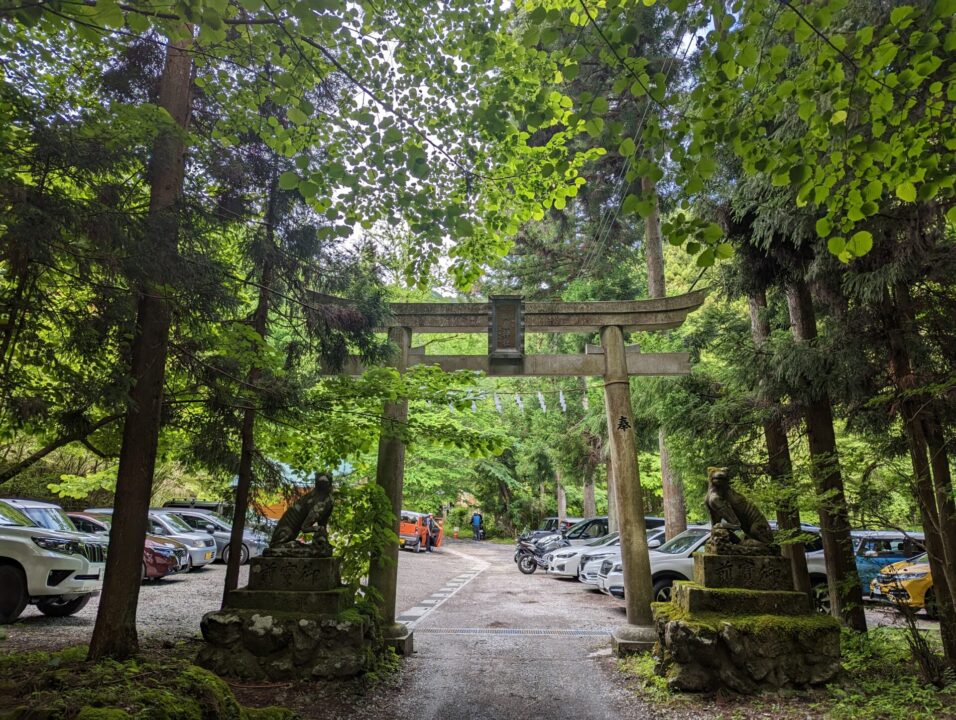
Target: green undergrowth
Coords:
[(64, 686), (880, 681)]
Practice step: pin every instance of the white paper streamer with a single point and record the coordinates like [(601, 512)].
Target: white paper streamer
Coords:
[(544, 408), (519, 402), (561, 401), (474, 408), (497, 403)]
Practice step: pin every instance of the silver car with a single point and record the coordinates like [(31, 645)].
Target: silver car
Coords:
[(201, 545), (212, 523)]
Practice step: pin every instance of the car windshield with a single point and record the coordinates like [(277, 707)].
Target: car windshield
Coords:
[(221, 520), (103, 519), (12, 516), (924, 558), (683, 542), (51, 518), (175, 523), (605, 540)]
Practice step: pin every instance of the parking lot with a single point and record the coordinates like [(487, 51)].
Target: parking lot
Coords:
[(170, 609)]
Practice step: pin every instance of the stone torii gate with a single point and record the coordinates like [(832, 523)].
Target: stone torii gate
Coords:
[(506, 319)]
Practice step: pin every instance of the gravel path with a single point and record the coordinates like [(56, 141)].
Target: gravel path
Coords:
[(169, 611)]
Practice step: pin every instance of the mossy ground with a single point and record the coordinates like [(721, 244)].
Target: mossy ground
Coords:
[(880, 682), (64, 686)]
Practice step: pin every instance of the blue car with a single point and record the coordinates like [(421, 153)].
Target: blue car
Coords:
[(875, 549)]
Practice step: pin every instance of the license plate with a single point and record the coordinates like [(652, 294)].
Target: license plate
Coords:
[(209, 555)]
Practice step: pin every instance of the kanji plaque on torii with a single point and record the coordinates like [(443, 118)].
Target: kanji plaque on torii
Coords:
[(506, 319)]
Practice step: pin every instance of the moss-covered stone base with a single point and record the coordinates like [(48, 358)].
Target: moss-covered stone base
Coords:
[(264, 644), (706, 651)]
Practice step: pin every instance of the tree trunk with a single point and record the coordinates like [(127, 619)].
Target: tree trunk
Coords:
[(943, 484), (114, 634), (932, 514), (779, 464), (590, 504), (846, 597), (612, 520), (247, 434), (562, 499), (675, 511)]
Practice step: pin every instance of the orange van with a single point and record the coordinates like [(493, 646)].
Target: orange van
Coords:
[(413, 528)]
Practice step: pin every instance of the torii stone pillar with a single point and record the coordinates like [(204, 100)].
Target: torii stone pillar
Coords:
[(638, 635), (390, 474)]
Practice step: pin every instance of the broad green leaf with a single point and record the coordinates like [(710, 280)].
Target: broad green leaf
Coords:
[(288, 180), (836, 245), (627, 148), (861, 243), (906, 192), (823, 227)]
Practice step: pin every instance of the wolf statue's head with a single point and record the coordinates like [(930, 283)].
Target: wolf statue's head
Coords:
[(718, 478)]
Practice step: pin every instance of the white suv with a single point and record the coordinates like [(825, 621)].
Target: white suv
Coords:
[(58, 570)]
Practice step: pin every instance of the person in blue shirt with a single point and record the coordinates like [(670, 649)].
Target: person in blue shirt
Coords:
[(476, 522)]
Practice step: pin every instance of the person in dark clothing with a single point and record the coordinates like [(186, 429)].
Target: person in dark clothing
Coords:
[(476, 524), (431, 532)]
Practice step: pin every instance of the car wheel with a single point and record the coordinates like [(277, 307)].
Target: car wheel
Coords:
[(821, 598), (145, 574), (527, 564), (13, 593), (189, 563), (418, 547), (661, 592), (58, 607), (930, 605), (243, 555)]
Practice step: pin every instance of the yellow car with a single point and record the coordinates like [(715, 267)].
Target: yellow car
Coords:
[(908, 582)]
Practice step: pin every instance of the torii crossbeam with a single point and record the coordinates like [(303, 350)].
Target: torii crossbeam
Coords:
[(506, 319)]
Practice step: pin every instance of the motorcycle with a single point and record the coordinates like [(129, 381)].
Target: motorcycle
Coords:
[(530, 554)]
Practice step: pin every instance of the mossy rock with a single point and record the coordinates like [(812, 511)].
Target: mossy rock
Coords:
[(63, 686)]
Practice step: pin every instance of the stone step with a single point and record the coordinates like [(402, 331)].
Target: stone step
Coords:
[(753, 572), (292, 573), (692, 598), (313, 602)]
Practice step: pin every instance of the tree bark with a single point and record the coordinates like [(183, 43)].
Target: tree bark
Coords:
[(675, 511), (114, 634), (779, 463), (590, 504), (933, 515), (562, 499), (247, 433), (846, 597)]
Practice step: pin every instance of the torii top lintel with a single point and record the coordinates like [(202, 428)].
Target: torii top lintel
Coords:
[(550, 317)]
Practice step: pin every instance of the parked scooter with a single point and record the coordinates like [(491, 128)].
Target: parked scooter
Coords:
[(529, 554)]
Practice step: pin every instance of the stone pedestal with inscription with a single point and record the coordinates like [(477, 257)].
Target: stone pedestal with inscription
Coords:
[(295, 620), (740, 626)]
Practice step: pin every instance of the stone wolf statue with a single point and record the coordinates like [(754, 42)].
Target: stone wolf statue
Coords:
[(731, 510), (309, 514)]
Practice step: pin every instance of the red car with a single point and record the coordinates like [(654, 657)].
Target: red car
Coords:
[(161, 556)]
